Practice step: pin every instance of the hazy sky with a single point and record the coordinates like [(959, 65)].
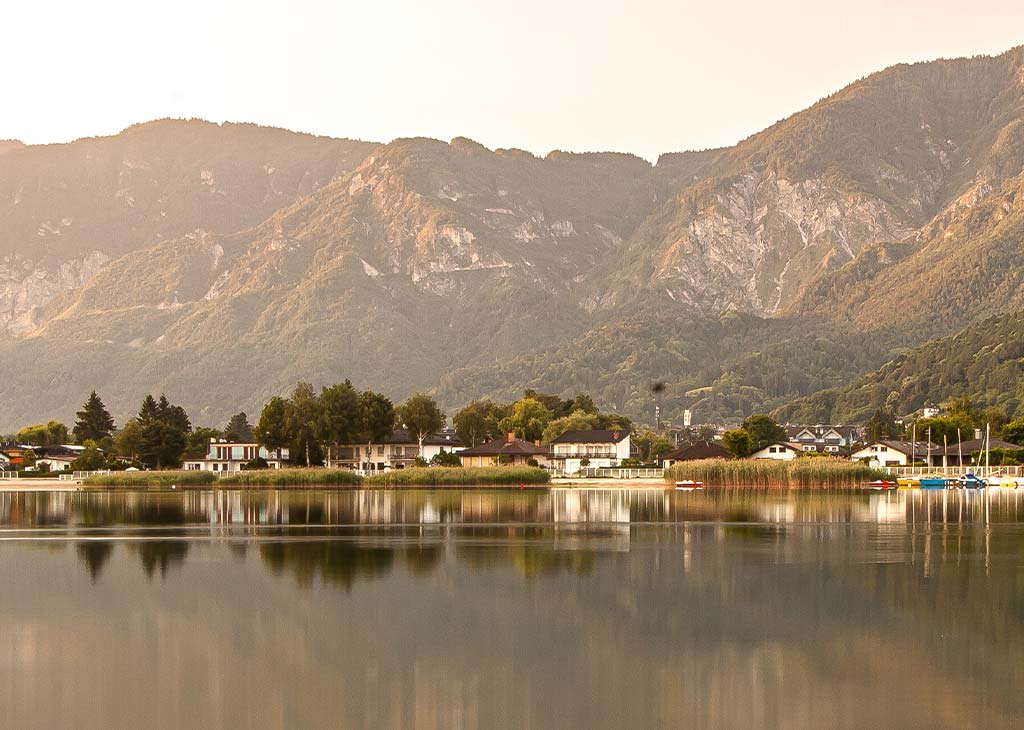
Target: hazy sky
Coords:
[(645, 76)]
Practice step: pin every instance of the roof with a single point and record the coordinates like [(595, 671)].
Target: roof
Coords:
[(807, 447), (699, 450), (819, 430), (514, 447), (59, 452), (969, 447), (906, 447), (597, 436)]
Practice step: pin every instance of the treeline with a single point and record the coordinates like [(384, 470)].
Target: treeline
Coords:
[(160, 435), (311, 424)]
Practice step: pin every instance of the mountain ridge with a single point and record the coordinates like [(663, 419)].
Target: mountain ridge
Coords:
[(734, 275)]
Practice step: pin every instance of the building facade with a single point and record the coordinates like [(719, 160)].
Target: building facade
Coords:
[(599, 449), (397, 451), (509, 451), (227, 456)]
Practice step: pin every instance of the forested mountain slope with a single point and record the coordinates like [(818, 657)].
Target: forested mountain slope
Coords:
[(984, 361)]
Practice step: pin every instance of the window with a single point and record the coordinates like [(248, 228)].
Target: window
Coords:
[(809, 447)]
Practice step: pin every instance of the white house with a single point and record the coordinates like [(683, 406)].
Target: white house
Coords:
[(601, 449), (230, 456), (894, 453), (397, 451), (57, 458), (838, 436), (780, 451)]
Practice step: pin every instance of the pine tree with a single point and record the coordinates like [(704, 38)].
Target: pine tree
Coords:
[(93, 421)]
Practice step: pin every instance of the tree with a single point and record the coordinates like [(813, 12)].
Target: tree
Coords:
[(302, 415), (337, 415), (272, 429), (652, 446), (375, 417), (995, 417), (94, 421), (197, 443), (446, 458), (163, 432), (90, 459), (738, 442), (762, 430), (1014, 431), (584, 403), (238, 428), (477, 422), (52, 433), (556, 405), (422, 417), (128, 440), (961, 407), (575, 421), (527, 419), (951, 428), (883, 425)]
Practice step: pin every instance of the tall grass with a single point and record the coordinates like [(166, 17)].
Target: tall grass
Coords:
[(801, 472), (151, 479), (292, 478), (458, 476)]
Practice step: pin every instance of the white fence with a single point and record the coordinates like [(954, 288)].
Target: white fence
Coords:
[(614, 473)]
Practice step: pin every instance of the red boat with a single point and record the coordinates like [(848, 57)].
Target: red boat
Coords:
[(882, 484)]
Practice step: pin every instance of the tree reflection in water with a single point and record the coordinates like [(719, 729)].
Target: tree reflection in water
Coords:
[(94, 554)]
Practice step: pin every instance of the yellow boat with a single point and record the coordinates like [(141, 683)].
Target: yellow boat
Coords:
[(909, 483)]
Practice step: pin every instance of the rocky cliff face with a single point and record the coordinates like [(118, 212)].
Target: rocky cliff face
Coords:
[(758, 242), (66, 210)]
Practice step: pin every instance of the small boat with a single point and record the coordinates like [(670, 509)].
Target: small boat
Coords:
[(971, 481), (1006, 482), (883, 484), (933, 483), (688, 485)]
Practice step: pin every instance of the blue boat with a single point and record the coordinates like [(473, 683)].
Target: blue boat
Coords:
[(972, 481), (933, 483)]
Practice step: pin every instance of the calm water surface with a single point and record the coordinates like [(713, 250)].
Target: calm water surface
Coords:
[(525, 609)]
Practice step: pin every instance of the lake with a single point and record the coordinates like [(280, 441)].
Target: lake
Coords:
[(535, 609)]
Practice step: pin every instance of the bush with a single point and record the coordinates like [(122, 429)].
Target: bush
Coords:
[(438, 476), (446, 458), (292, 478), (256, 464), (830, 472), (152, 479)]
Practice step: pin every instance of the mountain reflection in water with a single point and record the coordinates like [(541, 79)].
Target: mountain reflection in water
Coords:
[(508, 609)]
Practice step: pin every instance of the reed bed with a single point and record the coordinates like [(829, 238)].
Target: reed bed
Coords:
[(805, 473), (292, 478), (151, 479), (457, 476)]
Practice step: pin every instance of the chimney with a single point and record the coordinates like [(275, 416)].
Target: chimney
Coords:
[(615, 435), (536, 442), (511, 436)]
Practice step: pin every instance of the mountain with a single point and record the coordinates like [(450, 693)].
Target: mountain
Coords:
[(741, 277), (873, 164), (984, 361), (67, 210), (364, 278)]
